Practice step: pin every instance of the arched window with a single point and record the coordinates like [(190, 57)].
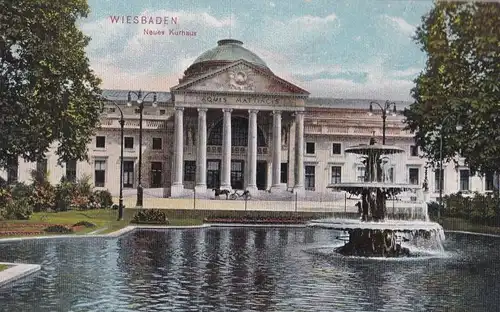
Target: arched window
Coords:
[(239, 133)]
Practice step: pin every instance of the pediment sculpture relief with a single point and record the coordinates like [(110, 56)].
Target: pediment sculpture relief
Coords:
[(240, 79)]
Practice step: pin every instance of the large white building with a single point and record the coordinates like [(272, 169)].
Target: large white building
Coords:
[(231, 122)]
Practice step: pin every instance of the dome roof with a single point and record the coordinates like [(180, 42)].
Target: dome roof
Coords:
[(230, 50)]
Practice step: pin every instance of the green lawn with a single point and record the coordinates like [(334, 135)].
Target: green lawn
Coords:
[(105, 219), (3, 267)]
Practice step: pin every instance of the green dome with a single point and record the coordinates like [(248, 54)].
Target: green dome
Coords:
[(230, 50)]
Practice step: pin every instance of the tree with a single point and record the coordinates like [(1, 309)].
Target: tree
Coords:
[(460, 83), (48, 93)]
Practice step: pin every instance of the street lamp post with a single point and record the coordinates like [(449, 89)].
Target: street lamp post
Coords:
[(122, 124), (458, 127), (384, 108), (140, 101)]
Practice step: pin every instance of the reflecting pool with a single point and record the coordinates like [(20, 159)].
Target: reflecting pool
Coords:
[(249, 269)]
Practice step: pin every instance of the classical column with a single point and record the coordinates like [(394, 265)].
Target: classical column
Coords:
[(177, 185), (276, 174), (299, 152), (201, 152), (252, 150), (226, 150)]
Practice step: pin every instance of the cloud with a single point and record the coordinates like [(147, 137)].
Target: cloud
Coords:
[(309, 20), (408, 72), (379, 82), (123, 56), (387, 89), (400, 24), (298, 33)]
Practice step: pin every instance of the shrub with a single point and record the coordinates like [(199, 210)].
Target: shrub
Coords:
[(479, 208), (58, 229), (16, 210), (116, 206), (432, 209), (65, 193), (5, 196), (21, 190), (85, 224), (84, 187), (151, 216), (43, 197), (103, 198)]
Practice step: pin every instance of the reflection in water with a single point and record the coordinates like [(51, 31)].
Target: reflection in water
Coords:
[(251, 269)]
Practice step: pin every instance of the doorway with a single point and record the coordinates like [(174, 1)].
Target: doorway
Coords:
[(213, 173), (237, 174), (128, 173), (261, 175)]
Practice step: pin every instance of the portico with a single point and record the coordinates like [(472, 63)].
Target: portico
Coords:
[(224, 159)]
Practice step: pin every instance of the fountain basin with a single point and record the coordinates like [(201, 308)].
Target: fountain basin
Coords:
[(383, 238)]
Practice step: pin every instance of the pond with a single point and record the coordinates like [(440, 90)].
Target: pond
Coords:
[(246, 269)]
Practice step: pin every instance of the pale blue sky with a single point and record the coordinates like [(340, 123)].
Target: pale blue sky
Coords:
[(334, 48)]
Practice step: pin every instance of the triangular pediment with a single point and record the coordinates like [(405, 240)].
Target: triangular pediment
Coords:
[(240, 76)]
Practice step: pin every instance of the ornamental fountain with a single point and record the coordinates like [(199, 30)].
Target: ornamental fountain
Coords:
[(373, 234)]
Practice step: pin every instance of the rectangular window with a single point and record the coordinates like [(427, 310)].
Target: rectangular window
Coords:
[(413, 174), (437, 185), (128, 173), (360, 174), (189, 170), (310, 177), (157, 143), (12, 170), (128, 142), (464, 180), (162, 112), (284, 173), (413, 150), (100, 142), (99, 173), (336, 174), (489, 184), (310, 148), (336, 148), (156, 174), (71, 170)]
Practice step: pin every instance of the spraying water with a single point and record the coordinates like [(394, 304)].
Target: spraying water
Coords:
[(374, 235)]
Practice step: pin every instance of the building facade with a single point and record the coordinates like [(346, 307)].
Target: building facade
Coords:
[(232, 123)]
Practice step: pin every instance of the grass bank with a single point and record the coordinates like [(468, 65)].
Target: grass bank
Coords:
[(3, 267), (457, 224), (104, 219)]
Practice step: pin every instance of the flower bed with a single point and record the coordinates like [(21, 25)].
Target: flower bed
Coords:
[(30, 229), (21, 233), (256, 220), (24, 225)]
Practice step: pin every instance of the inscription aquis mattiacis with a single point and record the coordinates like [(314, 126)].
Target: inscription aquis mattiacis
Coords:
[(241, 100)]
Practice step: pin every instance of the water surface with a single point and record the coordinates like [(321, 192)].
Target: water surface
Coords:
[(250, 269)]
